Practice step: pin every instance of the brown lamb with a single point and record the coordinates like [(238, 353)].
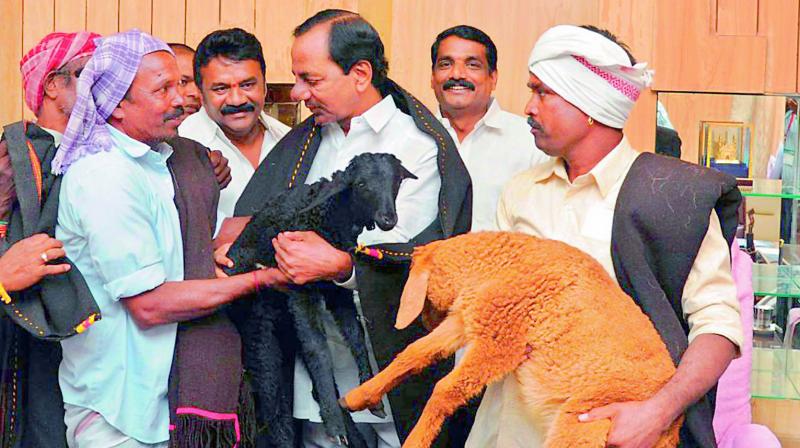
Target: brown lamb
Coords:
[(541, 309)]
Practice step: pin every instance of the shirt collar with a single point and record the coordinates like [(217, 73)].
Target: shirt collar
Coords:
[(613, 166), (379, 115), (136, 149), (57, 136), (491, 118), (605, 174), (205, 129)]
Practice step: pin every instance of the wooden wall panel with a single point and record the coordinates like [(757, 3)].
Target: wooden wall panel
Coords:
[(169, 20), (778, 23), (689, 57), (102, 16), (737, 17), (514, 26), (379, 14), (632, 21), (136, 14), (274, 22), (38, 20), (202, 17), (70, 15), (10, 54), (238, 13), (274, 25)]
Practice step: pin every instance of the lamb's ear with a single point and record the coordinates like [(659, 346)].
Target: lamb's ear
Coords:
[(413, 298), (407, 174)]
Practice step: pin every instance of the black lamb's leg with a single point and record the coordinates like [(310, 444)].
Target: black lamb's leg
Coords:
[(306, 312), (343, 309), (263, 360)]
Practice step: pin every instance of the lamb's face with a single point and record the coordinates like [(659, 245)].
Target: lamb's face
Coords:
[(375, 181)]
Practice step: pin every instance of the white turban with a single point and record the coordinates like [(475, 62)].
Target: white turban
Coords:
[(590, 71)]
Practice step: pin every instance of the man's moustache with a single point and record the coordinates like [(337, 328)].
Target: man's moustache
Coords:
[(534, 124), (228, 109), (450, 83), (177, 113)]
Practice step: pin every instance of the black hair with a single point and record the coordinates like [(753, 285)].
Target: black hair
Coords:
[(613, 38), (351, 39), (235, 43), (179, 46), (469, 33), (668, 142)]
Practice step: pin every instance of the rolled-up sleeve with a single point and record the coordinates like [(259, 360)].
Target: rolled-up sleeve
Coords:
[(709, 296), (116, 225)]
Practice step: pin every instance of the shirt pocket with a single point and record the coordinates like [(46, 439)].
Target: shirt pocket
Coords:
[(597, 222)]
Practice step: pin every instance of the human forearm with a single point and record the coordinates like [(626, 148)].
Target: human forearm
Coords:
[(191, 299), (704, 361)]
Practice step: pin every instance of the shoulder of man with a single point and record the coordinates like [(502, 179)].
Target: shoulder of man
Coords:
[(276, 126), (198, 127), (684, 185)]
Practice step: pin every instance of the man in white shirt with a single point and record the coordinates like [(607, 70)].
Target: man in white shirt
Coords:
[(340, 74), (494, 144), (229, 68)]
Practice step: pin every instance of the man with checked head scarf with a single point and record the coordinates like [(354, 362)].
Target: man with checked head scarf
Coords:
[(657, 225), (144, 247)]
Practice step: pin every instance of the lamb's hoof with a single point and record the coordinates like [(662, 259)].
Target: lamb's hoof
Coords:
[(378, 410)]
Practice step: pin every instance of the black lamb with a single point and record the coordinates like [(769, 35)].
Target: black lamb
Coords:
[(361, 196)]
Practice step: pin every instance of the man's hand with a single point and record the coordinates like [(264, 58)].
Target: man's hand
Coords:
[(7, 190), (221, 259), (634, 424), (25, 263), (305, 257), (221, 169)]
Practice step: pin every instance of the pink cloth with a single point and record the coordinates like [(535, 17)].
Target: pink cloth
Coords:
[(51, 53), (733, 425)]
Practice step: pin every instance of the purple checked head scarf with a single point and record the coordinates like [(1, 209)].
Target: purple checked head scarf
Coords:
[(101, 87)]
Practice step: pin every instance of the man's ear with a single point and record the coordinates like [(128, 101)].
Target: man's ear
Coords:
[(362, 70), (119, 112), (493, 77), (51, 85)]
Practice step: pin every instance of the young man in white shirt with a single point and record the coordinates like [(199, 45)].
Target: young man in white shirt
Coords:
[(229, 68), (494, 144)]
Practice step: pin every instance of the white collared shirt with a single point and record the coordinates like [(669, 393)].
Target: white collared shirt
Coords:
[(498, 147), (57, 136), (202, 129), (383, 128)]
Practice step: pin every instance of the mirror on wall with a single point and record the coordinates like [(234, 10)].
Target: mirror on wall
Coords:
[(755, 139), (752, 137)]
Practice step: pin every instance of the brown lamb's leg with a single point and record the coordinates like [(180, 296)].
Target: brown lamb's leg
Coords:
[(443, 341), (484, 361)]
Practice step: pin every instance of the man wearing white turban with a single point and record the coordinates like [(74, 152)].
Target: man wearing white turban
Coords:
[(657, 225)]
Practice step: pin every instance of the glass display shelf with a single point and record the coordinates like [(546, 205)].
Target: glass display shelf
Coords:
[(776, 280), (767, 188), (770, 376)]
